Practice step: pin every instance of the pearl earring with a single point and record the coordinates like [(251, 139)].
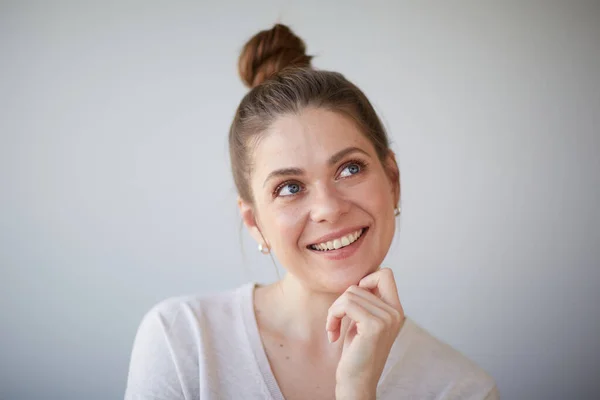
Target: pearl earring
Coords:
[(264, 249), (397, 211)]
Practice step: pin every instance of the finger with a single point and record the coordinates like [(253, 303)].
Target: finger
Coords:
[(377, 308), (334, 323), (333, 327), (383, 284), (371, 302), (358, 310), (394, 314), (366, 322), (370, 297)]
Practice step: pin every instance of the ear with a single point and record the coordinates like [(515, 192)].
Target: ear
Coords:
[(249, 218), (393, 173)]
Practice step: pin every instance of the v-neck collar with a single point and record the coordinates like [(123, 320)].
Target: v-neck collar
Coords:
[(246, 304), (260, 356)]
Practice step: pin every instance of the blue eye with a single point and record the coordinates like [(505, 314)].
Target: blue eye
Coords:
[(288, 189), (351, 169)]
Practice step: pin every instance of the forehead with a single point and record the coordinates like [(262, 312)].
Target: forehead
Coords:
[(306, 140)]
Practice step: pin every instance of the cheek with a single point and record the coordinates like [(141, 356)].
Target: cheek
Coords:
[(379, 196), (287, 227)]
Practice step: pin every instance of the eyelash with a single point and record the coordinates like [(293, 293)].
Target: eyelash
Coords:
[(361, 164)]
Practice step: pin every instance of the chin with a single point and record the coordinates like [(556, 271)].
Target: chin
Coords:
[(339, 279)]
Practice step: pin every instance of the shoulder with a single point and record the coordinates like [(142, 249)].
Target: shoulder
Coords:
[(172, 338), (429, 346), (439, 367), (189, 314), (175, 309)]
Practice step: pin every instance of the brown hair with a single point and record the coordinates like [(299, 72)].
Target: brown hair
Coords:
[(274, 64)]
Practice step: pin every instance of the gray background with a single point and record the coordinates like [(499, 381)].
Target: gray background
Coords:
[(116, 190)]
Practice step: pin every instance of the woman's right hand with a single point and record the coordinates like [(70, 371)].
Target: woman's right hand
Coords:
[(377, 317)]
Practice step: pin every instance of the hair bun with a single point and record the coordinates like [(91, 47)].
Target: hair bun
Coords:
[(269, 52)]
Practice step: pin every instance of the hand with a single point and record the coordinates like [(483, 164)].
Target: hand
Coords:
[(376, 319)]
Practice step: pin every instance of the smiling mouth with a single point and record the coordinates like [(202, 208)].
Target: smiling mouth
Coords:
[(339, 243)]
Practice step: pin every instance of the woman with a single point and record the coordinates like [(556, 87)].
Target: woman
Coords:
[(319, 187)]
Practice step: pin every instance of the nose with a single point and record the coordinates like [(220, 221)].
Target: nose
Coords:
[(328, 205)]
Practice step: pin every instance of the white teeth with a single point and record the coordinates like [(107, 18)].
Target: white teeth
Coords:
[(338, 243)]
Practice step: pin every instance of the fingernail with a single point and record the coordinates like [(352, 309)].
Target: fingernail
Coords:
[(329, 336)]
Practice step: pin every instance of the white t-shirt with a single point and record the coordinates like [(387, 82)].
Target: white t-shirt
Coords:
[(209, 347)]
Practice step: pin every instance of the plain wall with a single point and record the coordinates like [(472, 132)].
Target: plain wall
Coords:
[(116, 190)]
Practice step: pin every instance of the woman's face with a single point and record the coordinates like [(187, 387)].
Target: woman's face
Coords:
[(323, 201)]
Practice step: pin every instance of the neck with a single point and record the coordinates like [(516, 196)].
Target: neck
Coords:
[(301, 313)]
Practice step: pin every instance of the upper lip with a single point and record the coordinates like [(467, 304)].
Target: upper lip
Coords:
[(337, 234)]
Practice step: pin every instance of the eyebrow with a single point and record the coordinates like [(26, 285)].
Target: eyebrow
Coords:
[(334, 159)]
